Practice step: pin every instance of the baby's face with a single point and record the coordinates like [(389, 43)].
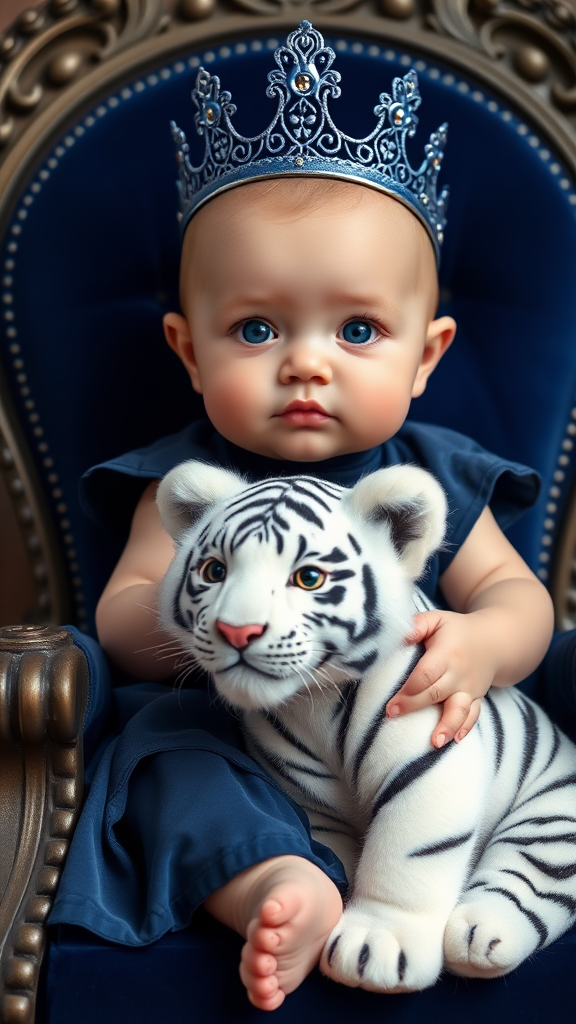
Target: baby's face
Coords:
[(309, 335)]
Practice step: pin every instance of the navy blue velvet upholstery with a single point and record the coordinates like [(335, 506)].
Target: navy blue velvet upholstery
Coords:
[(193, 979), (92, 261)]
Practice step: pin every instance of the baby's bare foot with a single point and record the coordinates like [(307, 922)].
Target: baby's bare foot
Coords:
[(289, 908)]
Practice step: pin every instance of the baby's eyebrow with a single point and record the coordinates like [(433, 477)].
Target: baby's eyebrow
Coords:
[(348, 303), (365, 305), (248, 303)]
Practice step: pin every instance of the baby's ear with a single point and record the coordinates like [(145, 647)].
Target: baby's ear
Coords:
[(189, 490), (410, 505)]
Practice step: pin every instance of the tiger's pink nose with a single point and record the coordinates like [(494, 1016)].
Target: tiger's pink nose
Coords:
[(240, 636)]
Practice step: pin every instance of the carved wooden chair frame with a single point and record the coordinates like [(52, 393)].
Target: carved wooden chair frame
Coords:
[(56, 58)]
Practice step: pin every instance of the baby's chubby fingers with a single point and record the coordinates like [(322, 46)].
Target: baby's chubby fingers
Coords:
[(424, 624), (459, 715), (425, 686)]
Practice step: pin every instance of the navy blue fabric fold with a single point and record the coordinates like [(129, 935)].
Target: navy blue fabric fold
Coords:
[(175, 809)]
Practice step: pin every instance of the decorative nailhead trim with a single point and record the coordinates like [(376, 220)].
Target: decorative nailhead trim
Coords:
[(554, 493), (255, 46)]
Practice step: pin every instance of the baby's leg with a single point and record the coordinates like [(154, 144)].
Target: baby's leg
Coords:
[(285, 908)]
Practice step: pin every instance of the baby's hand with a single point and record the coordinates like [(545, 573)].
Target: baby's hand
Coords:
[(454, 670)]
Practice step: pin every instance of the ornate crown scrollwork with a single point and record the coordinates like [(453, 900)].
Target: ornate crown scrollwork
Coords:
[(303, 138)]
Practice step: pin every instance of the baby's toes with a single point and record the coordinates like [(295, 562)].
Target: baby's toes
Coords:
[(260, 938), (256, 962), (264, 993), (273, 913)]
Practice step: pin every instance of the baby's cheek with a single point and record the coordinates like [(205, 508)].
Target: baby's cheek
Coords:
[(381, 413), (228, 404)]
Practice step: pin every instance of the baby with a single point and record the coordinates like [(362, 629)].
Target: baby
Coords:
[(308, 325)]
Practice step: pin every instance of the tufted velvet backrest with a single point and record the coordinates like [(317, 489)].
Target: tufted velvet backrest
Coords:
[(90, 264)]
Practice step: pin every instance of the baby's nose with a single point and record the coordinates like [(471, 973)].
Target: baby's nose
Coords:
[(240, 636)]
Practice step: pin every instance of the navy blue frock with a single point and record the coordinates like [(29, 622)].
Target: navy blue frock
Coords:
[(175, 808)]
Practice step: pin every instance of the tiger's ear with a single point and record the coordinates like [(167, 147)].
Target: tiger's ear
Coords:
[(410, 505), (189, 490)]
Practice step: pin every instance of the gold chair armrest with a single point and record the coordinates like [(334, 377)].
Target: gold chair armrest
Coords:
[(43, 694)]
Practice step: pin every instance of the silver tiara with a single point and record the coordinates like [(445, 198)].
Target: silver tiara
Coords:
[(303, 139)]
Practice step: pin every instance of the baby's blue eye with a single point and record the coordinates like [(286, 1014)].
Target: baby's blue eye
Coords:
[(256, 332), (358, 332)]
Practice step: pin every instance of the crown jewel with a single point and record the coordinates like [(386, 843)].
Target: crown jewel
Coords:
[(303, 139)]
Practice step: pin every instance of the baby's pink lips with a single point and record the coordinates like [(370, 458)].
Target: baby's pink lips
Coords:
[(308, 407)]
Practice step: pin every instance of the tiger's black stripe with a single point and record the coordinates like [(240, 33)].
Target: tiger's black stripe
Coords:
[(566, 780), (419, 651), (362, 664), (302, 543), (367, 740), (569, 837), (297, 486), (331, 831), (286, 734), (560, 872), (370, 605), (274, 763), (336, 555), (309, 771), (332, 949), (549, 819), (363, 958), (176, 612), (333, 596), (554, 897), (409, 774), (304, 512), (347, 701), (532, 917), (554, 750), (498, 729), (443, 846), (530, 738), (325, 814), (354, 544)]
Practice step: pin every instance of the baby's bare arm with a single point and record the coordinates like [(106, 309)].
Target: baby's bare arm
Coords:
[(497, 634), (126, 616)]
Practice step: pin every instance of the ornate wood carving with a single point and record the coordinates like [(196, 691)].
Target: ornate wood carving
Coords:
[(34, 523), (43, 692), (61, 41)]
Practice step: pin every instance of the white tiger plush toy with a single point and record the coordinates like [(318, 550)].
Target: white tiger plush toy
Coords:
[(296, 596)]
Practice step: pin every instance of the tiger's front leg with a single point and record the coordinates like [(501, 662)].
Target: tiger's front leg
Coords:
[(414, 864)]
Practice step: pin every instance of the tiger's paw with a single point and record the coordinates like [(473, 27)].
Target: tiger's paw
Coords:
[(382, 949), (488, 938)]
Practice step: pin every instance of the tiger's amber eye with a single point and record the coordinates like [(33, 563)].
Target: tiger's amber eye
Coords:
[(309, 577), (213, 571)]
